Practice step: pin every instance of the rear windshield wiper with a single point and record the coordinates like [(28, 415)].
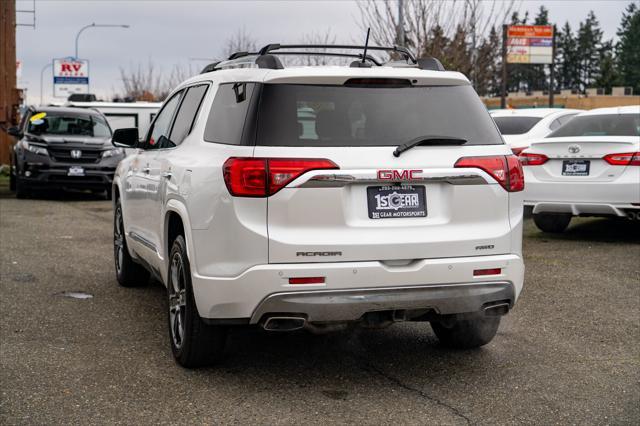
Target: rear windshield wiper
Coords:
[(428, 140)]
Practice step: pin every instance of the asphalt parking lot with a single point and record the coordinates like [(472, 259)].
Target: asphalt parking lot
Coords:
[(568, 353)]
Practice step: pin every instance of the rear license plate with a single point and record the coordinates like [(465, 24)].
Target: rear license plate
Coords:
[(575, 167), (386, 202), (75, 171)]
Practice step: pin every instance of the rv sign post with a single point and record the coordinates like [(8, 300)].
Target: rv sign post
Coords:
[(528, 44), (70, 75)]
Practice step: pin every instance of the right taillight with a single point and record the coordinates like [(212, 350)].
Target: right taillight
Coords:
[(505, 169), (262, 177), (532, 159), (624, 159)]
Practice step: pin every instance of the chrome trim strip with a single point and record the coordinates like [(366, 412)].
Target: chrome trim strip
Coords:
[(148, 244), (335, 180)]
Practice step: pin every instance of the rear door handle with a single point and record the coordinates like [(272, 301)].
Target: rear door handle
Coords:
[(166, 175)]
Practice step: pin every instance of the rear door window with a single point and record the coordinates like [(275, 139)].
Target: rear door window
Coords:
[(228, 113), (187, 113), (320, 115)]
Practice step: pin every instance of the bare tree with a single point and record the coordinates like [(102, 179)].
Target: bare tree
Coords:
[(240, 41), (426, 19), (147, 83)]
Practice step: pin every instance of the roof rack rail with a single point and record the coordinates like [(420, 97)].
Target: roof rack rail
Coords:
[(265, 57)]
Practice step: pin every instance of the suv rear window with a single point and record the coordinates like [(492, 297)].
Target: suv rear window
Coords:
[(600, 125), (515, 125), (314, 115)]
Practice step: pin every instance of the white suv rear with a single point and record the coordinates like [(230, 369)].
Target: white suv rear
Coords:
[(317, 197)]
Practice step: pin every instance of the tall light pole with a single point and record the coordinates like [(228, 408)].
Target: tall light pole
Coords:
[(94, 25), (42, 77)]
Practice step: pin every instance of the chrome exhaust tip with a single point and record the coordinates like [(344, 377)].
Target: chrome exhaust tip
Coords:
[(497, 310), (284, 323)]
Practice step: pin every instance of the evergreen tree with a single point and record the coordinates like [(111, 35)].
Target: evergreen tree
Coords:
[(589, 49), (567, 73), (607, 73), (628, 48)]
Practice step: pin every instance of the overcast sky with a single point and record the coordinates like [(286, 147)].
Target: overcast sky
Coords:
[(169, 33)]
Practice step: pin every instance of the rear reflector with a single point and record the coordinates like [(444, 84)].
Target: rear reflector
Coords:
[(262, 177), (531, 159), (306, 280), (482, 272), (506, 170), (626, 159)]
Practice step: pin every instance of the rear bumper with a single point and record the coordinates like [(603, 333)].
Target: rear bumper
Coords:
[(352, 288), (584, 209), (351, 305)]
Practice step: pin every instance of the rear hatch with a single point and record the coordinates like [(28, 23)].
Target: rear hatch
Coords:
[(373, 205)]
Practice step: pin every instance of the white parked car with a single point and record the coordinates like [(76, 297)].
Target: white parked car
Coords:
[(588, 167), (317, 197), (519, 126)]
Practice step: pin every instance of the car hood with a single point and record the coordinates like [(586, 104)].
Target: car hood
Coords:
[(87, 141)]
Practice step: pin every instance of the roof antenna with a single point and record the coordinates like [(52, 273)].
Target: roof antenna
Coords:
[(363, 63)]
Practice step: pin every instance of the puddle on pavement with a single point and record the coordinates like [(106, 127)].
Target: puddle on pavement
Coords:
[(75, 294)]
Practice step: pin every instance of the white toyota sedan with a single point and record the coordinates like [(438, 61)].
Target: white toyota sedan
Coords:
[(588, 167), (520, 126)]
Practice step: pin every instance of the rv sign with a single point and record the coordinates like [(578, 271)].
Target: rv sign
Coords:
[(70, 75)]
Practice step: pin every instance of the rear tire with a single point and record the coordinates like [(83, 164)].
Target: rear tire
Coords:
[(468, 333), (552, 223), (193, 342), (128, 272)]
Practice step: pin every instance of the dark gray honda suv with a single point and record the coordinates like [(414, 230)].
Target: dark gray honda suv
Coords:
[(63, 148)]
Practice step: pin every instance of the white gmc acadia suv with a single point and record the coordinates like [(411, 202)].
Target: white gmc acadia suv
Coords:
[(319, 197)]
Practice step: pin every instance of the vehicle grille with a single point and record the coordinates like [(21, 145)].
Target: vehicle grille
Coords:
[(64, 154)]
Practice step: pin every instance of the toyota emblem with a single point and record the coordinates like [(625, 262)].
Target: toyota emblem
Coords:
[(574, 149), (76, 153)]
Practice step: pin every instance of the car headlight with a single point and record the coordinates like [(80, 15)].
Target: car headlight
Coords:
[(36, 149), (112, 152)]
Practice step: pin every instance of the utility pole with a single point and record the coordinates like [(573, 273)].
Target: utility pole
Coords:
[(474, 52), (552, 69), (400, 36), (9, 94), (503, 91)]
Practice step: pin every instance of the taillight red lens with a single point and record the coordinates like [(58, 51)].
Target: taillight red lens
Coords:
[(504, 169), (625, 159), (262, 177), (532, 159)]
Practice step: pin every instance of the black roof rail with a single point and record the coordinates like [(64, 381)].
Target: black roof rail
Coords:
[(265, 57)]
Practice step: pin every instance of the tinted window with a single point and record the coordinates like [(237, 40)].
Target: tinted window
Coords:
[(308, 115), (187, 113), (555, 124), (65, 123), (228, 113), (515, 125), (162, 124), (601, 125)]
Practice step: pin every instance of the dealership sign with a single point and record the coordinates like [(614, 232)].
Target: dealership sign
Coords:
[(530, 44), (70, 75)]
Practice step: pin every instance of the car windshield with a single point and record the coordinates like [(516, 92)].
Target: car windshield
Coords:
[(320, 115), (57, 123), (515, 125), (600, 125)]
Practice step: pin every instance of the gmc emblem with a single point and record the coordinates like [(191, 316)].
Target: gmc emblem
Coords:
[(397, 175)]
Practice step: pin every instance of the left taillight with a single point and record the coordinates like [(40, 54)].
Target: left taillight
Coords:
[(262, 177), (624, 159), (505, 169)]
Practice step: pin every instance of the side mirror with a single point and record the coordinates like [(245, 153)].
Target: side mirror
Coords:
[(14, 131), (125, 138)]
